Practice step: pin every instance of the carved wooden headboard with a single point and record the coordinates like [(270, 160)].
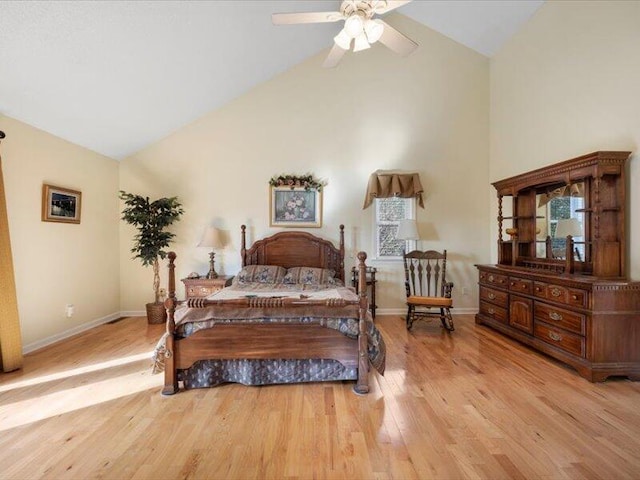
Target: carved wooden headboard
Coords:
[(295, 249)]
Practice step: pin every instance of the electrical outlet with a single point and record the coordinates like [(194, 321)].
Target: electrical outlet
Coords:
[(464, 291), (70, 309)]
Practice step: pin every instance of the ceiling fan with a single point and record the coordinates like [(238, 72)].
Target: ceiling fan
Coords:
[(360, 28)]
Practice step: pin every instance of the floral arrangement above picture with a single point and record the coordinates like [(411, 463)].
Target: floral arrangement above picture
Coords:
[(306, 182)]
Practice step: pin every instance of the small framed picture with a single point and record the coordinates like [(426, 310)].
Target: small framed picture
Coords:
[(296, 207), (60, 204)]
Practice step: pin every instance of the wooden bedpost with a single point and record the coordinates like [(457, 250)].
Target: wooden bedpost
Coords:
[(362, 385), (344, 278), (243, 245), (170, 378)]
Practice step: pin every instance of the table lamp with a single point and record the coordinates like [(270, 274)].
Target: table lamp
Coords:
[(211, 238), (568, 226), (407, 230)]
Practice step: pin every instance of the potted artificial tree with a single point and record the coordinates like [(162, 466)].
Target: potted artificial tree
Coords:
[(151, 219)]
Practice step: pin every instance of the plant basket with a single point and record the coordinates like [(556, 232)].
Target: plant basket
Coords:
[(156, 313)]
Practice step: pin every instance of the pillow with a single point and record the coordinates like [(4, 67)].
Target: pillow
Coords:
[(310, 276), (261, 274)]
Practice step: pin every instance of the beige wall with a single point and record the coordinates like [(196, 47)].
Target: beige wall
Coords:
[(427, 112), (567, 85), (58, 264)]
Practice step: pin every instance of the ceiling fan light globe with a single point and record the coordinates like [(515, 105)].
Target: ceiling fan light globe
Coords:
[(373, 30), (343, 40), (361, 43), (354, 25)]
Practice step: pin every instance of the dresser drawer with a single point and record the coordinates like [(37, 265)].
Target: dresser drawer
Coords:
[(493, 279), (575, 322), (494, 311), (493, 296), (560, 294), (520, 285), (562, 339)]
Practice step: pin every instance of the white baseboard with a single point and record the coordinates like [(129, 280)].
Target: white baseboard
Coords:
[(133, 313), (68, 333)]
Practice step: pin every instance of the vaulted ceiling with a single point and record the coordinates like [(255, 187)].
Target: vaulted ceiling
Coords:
[(116, 76)]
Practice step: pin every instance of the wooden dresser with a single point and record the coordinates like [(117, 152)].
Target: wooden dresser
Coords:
[(203, 287), (578, 307)]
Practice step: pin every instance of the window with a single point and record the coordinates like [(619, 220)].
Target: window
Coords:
[(388, 212)]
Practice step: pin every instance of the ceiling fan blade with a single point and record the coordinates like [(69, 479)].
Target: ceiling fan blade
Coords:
[(334, 57), (396, 41), (305, 17), (388, 5)]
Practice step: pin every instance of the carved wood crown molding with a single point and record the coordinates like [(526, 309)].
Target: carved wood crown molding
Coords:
[(602, 162)]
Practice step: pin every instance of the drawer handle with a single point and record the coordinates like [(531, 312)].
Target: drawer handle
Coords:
[(491, 311), (555, 316), (575, 297), (556, 292), (491, 296), (538, 289), (555, 336), (490, 278)]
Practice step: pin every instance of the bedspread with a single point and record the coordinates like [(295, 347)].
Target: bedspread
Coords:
[(341, 318)]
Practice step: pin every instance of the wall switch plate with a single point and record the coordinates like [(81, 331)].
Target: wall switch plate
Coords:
[(464, 290)]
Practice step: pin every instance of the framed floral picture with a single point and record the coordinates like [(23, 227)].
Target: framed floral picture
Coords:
[(60, 204), (296, 207)]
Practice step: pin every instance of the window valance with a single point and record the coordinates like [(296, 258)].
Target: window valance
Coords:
[(393, 183), (572, 190)]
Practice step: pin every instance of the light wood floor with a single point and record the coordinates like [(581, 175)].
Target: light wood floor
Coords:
[(467, 405)]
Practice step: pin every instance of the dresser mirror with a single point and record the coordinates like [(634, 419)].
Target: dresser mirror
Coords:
[(561, 212)]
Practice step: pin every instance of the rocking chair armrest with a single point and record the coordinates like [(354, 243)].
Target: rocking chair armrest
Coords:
[(447, 288)]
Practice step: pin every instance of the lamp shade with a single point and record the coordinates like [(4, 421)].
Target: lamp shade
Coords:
[(568, 226), (361, 43), (373, 29), (343, 40), (211, 237), (407, 230), (354, 25)]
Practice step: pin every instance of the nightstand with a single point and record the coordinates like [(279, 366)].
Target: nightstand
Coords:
[(371, 282), (203, 287)]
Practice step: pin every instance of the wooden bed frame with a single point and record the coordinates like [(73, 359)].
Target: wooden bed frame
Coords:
[(273, 341)]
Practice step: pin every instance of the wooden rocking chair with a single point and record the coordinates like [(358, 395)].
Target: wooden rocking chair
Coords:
[(428, 292)]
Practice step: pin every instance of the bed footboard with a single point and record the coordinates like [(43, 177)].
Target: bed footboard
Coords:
[(267, 341)]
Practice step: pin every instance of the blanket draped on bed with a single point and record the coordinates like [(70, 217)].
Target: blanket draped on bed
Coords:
[(206, 373)]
